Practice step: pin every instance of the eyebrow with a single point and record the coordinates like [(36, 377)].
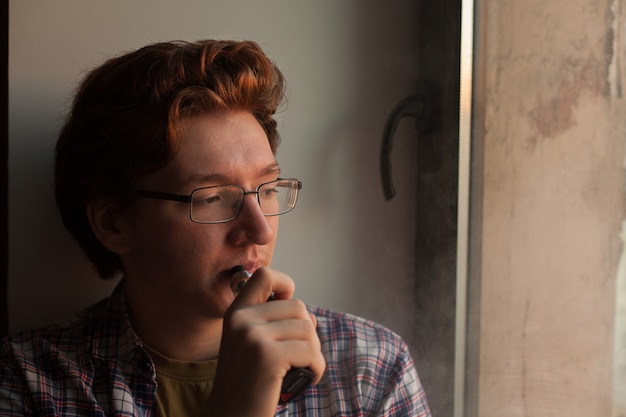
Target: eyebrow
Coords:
[(273, 168)]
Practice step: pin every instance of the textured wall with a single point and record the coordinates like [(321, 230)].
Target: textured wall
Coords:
[(551, 125)]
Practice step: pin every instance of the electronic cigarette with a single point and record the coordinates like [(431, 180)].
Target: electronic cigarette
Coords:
[(297, 379), (239, 278)]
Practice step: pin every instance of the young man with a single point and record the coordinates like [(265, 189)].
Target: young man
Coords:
[(166, 176)]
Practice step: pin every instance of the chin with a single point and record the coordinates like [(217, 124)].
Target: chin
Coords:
[(216, 307)]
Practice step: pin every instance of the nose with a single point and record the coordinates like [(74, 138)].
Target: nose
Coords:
[(252, 226)]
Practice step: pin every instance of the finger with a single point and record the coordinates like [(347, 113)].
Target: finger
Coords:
[(272, 317), (262, 284), (304, 354), (291, 329), (280, 344)]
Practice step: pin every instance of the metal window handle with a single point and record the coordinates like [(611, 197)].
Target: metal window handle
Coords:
[(413, 106)]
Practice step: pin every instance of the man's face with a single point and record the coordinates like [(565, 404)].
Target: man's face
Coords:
[(185, 265)]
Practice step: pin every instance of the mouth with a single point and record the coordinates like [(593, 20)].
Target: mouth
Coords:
[(247, 266), (239, 277)]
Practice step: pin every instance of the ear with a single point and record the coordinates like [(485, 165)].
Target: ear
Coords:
[(109, 224)]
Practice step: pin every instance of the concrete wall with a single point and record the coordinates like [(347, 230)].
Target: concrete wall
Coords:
[(550, 127)]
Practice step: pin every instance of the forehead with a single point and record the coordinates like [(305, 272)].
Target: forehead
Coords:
[(229, 146)]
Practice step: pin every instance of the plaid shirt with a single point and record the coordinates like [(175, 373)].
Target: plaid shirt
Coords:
[(96, 366)]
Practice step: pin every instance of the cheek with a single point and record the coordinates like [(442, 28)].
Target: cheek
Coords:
[(169, 240), (179, 257), (180, 240), (274, 225)]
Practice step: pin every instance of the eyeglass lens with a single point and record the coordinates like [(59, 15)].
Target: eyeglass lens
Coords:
[(223, 203)]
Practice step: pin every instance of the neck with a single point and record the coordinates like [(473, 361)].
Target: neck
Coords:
[(173, 333)]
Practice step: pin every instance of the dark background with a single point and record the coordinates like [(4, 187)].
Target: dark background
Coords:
[(4, 160)]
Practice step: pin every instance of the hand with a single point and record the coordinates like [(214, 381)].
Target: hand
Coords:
[(261, 341)]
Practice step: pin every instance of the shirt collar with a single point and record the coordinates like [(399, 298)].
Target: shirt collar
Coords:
[(113, 333)]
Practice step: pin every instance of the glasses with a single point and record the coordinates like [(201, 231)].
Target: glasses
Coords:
[(222, 203)]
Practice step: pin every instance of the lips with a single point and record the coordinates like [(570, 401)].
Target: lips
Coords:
[(249, 266), (239, 269)]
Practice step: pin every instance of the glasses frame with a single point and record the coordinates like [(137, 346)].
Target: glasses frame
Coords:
[(183, 198)]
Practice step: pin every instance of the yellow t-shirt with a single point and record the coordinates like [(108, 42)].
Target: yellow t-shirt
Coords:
[(183, 387)]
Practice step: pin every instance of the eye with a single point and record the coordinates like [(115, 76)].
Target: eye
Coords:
[(211, 199), (269, 191), (208, 197)]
